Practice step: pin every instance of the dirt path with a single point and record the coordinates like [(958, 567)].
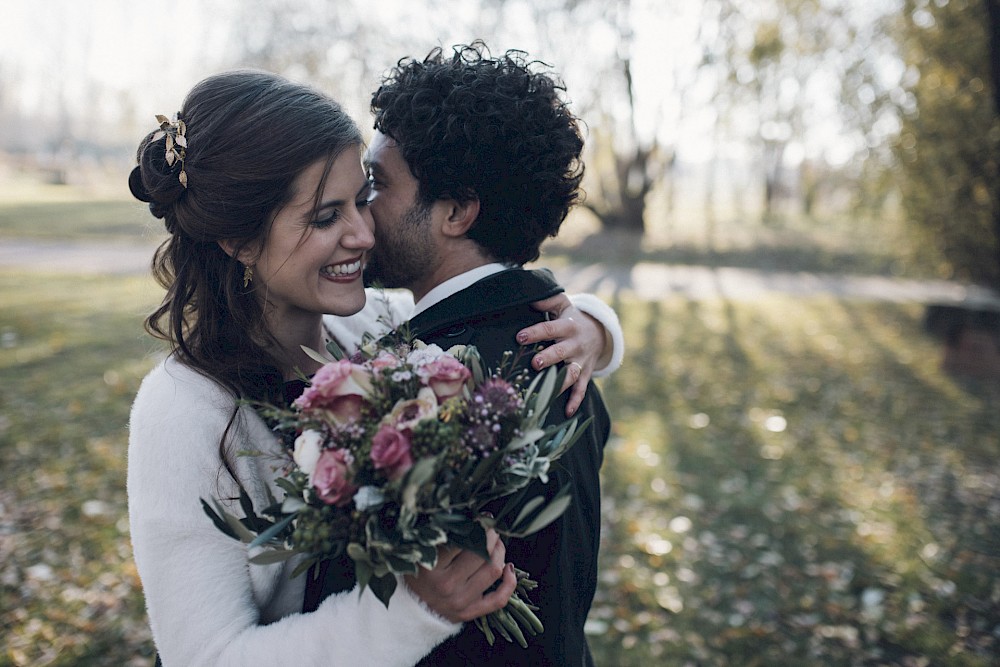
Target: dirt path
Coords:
[(647, 281), (80, 257)]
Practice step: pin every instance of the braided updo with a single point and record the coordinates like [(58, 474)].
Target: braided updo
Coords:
[(162, 191)]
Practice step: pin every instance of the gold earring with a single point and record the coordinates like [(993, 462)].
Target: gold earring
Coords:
[(247, 275)]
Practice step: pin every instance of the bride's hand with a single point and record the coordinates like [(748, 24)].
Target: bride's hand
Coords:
[(581, 342), (457, 586)]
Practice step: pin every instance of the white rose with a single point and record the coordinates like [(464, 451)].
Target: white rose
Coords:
[(421, 356), (308, 447)]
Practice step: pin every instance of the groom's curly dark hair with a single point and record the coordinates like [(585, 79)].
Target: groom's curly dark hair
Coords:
[(473, 126)]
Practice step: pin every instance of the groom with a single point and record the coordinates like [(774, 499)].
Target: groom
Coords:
[(474, 162)]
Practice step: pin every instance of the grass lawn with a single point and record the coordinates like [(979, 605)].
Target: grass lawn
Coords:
[(790, 482), (794, 482), (71, 355), (99, 219)]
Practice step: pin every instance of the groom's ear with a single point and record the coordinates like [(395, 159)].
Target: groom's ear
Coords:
[(461, 217)]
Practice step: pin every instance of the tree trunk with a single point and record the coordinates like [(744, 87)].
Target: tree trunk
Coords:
[(993, 11)]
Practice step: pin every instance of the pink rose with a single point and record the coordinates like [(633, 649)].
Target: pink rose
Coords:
[(338, 389), (446, 376), (391, 452), (385, 359), (331, 478)]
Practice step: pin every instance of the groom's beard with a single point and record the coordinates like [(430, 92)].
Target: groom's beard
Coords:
[(403, 253)]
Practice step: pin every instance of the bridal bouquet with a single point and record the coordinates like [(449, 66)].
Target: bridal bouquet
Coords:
[(399, 450)]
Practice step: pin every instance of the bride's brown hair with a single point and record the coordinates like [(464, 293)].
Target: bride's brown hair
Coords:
[(248, 135)]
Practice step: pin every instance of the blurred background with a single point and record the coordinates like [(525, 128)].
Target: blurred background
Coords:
[(794, 205)]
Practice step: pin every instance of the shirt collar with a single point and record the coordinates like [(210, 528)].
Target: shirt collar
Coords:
[(456, 284)]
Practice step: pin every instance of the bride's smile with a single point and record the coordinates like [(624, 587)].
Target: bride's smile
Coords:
[(312, 259)]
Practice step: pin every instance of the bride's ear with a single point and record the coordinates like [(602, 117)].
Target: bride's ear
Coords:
[(242, 254)]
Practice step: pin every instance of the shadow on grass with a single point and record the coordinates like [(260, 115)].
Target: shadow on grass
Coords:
[(756, 514)]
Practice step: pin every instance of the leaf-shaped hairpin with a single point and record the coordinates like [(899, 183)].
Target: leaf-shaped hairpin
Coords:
[(175, 146)]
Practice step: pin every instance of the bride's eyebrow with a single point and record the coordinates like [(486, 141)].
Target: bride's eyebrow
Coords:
[(333, 203)]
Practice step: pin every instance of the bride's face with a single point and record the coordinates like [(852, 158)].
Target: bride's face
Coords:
[(312, 259)]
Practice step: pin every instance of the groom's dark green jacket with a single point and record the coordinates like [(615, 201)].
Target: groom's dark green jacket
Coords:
[(563, 556)]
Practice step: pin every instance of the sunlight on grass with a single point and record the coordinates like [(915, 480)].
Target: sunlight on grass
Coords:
[(795, 482)]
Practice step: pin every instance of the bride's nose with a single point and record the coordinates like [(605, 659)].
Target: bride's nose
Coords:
[(360, 233)]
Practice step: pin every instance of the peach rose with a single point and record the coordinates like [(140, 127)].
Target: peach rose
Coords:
[(337, 389), (406, 414), (385, 359), (446, 376)]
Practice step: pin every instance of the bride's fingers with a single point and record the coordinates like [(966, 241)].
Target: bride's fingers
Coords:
[(579, 390), (546, 331)]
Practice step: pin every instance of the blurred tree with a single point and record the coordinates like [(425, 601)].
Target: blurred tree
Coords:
[(949, 145), (630, 164), (343, 46), (626, 159), (325, 43), (775, 55)]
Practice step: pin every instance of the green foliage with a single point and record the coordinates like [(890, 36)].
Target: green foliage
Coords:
[(949, 145)]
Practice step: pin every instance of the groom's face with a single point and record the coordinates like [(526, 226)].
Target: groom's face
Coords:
[(404, 253)]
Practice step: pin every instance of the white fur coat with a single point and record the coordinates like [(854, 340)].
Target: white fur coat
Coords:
[(207, 604)]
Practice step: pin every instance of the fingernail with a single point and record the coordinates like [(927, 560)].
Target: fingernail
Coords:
[(522, 338), (539, 364)]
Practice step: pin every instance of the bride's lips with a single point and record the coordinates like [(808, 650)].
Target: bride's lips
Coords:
[(343, 271)]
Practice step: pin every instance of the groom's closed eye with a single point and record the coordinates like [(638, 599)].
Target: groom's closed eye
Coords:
[(375, 176)]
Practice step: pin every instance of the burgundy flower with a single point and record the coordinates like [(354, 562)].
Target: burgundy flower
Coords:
[(332, 479)]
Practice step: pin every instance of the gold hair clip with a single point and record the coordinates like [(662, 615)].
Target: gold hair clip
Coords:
[(176, 150)]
